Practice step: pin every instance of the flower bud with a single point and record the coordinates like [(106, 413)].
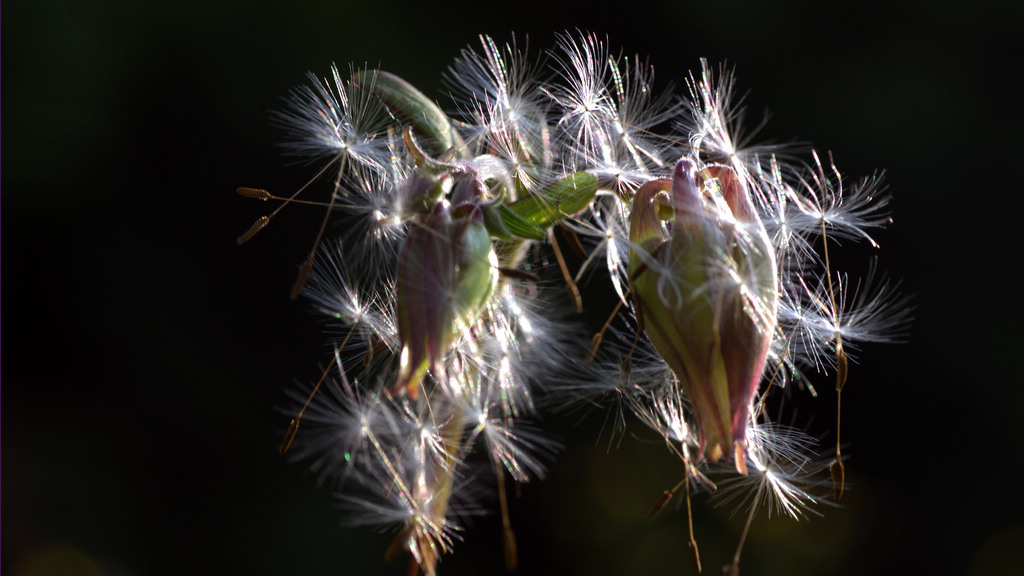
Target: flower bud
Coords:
[(421, 190), (706, 291), (447, 271)]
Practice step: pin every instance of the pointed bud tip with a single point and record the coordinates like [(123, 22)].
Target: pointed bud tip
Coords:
[(740, 454), (838, 472)]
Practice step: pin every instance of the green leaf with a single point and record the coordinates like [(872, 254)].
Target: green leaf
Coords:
[(518, 227), (411, 106), (557, 202), (494, 220)]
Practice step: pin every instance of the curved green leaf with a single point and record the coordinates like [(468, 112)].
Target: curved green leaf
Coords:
[(556, 202), (410, 105), (519, 227)]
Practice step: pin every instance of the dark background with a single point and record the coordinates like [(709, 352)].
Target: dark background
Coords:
[(143, 351)]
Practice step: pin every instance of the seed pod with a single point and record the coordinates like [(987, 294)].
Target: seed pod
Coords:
[(707, 293), (447, 271)]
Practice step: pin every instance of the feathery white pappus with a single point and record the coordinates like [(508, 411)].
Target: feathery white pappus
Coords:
[(447, 320)]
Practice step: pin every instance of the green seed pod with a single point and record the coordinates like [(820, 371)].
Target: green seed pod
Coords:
[(706, 291), (447, 271)]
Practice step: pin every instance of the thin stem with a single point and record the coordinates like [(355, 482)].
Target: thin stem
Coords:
[(293, 426), (734, 568)]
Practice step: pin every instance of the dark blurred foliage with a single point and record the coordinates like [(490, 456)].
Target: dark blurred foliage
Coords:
[(143, 351)]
